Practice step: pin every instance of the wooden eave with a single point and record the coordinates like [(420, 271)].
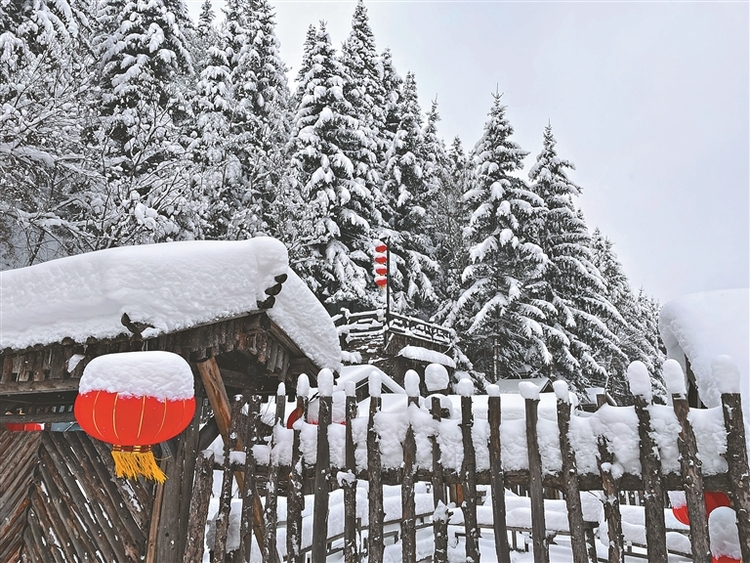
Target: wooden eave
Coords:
[(32, 375)]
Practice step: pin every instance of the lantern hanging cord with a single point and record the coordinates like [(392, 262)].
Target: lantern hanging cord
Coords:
[(132, 462)]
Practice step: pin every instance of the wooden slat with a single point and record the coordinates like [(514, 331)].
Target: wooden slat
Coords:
[(252, 510), (296, 499), (615, 552), (538, 525), (199, 508), (494, 414), (731, 404), (375, 492), (350, 487), (271, 509), (48, 386), (469, 481), (408, 505), (225, 499), (440, 525), (322, 478)]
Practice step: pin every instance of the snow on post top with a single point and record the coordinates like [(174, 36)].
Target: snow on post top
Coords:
[(162, 375), (350, 389), (303, 385), (435, 377), (374, 384), (528, 390), (167, 287), (673, 377), (325, 383), (411, 383), (493, 390), (561, 390), (723, 534), (640, 380), (726, 374), (281, 390), (465, 387)]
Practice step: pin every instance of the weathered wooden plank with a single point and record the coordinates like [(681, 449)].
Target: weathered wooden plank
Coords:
[(440, 525), (494, 414), (47, 386), (252, 510), (570, 478), (615, 550), (692, 474), (322, 478), (731, 404), (408, 504), (349, 484), (271, 510), (469, 481), (295, 500), (538, 524), (225, 500), (199, 508), (656, 535), (375, 490)]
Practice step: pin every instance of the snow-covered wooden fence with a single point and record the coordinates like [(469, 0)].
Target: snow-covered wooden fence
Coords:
[(490, 442)]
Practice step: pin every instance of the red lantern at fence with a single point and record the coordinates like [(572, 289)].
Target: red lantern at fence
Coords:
[(713, 500), (24, 426), (381, 265), (133, 401)]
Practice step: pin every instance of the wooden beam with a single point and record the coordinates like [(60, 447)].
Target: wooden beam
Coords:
[(47, 386), (39, 417)]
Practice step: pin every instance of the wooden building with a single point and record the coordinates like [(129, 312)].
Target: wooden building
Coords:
[(58, 494)]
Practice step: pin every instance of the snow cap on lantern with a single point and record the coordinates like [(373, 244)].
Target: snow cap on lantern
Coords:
[(134, 400)]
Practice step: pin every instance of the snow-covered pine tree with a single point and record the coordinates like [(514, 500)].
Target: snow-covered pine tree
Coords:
[(497, 329), (336, 261), (140, 138), (44, 93), (408, 194), (570, 292), (634, 334), (365, 91)]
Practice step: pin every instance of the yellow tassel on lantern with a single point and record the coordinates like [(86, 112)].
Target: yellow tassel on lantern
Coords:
[(132, 462)]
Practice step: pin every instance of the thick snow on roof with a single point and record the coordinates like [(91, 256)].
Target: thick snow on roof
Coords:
[(702, 326), (170, 286)]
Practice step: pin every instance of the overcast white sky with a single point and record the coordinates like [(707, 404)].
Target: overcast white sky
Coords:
[(648, 99)]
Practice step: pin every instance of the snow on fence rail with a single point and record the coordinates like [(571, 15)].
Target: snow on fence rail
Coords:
[(538, 442)]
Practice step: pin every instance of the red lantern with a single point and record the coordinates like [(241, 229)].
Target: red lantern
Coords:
[(715, 499), (381, 258), (381, 281), (132, 401), (380, 247), (24, 426), (725, 559), (381, 270)]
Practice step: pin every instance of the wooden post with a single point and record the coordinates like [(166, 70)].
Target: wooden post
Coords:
[(469, 480), (252, 515), (349, 484), (322, 469), (295, 497), (271, 511), (570, 476), (204, 473), (616, 553), (408, 506), (497, 477), (656, 535), (440, 525), (538, 524), (225, 500), (692, 476), (739, 475), (375, 492)]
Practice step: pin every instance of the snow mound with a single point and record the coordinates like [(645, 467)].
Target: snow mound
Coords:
[(165, 287)]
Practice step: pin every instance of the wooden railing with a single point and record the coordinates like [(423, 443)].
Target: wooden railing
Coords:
[(370, 323)]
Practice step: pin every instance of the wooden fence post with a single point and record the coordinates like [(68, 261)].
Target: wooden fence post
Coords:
[(690, 463), (469, 472), (727, 376), (375, 492), (616, 554), (497, 477), (295, 497), (656, 535), (251, 515), (225, 500), (570, 475), (271, 509), (322, 468), (408, 509), (204, 473), (440, 525), (530, 393), (349, 484)]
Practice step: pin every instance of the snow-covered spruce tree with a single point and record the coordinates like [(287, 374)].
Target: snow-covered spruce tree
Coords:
[(634, 334), (365, 91), (204, 37), (44, 95), (497, 329), (336, 258), (450, 215), (570, 291), (139, 140), (241, 107), (408, 194)]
